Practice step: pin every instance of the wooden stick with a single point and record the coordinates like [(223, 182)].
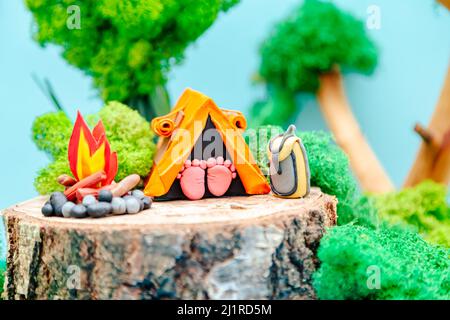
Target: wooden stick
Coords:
[(83, 192), (428, 137), (66, 180), (125, 185), (90, 181)]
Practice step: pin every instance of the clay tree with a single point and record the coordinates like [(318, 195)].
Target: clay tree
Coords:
[(128, 47), (306, 53), (433, 158)]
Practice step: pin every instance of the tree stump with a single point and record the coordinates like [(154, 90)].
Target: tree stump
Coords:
[(257, 247)]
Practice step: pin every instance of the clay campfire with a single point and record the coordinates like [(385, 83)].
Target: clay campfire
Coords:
[(92, 190)]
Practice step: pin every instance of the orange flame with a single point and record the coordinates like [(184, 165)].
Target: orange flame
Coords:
[(91, 152)]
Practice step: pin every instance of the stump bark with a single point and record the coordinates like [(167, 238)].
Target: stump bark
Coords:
[(257, 247)]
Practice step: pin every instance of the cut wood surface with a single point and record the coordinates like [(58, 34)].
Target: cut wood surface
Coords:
[(257, 247)]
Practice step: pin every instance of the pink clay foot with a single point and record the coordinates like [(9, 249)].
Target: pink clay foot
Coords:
[(192, 179), (219, 176)]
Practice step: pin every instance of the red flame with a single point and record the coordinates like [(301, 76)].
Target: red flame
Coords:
[(91, 152)]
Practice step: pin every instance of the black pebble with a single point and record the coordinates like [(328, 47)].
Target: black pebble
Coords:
[(47, 209), (140, 201), (78, 211), (57, 200), (57, 195), (99, 209), (105, 196), (147, 202)]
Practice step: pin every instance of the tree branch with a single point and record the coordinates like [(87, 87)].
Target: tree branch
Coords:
[(445, 3), (423, 132)]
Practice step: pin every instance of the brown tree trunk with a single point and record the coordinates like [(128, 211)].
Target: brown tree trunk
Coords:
[(433, 159), (153, 105), (342, 123), (445, 3), (257, 247)]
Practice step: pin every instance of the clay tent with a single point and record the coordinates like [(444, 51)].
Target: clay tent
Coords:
[(197, 129)]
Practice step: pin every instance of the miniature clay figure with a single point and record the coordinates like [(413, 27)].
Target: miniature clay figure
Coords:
[(289, 168), (201, 153)]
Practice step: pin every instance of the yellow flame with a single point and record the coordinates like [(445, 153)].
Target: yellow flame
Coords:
[(87, 164)]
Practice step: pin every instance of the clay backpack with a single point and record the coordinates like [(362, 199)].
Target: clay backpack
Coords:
[(289, 168)]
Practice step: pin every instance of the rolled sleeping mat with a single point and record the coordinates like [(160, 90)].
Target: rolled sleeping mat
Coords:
[(289, 168), (237, 119), (163, 127)]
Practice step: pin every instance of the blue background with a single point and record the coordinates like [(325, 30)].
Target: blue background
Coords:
[(414, 42)]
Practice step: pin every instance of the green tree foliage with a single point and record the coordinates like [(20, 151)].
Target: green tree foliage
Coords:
[(423, 207), (128, 133), (410, 268), (313, 40), (316, 38), (128, 47)]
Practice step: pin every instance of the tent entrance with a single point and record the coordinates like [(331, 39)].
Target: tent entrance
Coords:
[(209, 144)]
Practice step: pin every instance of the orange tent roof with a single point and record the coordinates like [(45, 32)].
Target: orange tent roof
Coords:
[(179, 131)]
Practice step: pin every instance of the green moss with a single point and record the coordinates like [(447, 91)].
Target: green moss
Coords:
[(330, 171), (45, 181), (350, 253), (329, 167), (128, 133), (130, 136), (410, 268), (50, 133), (424, 208)]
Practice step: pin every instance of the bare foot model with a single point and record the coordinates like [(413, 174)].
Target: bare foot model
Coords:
[(192, 179), (220, 174)]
